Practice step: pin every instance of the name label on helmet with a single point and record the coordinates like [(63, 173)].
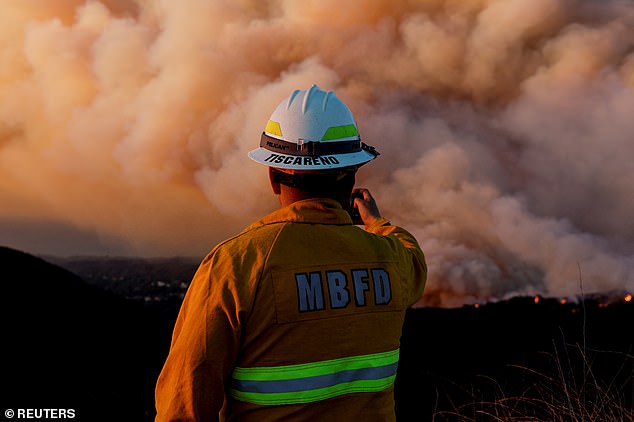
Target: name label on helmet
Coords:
[(302, 160)]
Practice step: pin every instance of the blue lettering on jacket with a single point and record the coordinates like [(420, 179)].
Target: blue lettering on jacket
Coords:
[(360, 281), (311, 287), (382, 286), (339, 295), (309, 292)]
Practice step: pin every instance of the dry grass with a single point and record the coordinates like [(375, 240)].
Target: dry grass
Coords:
[(568, 391), (575, 387)]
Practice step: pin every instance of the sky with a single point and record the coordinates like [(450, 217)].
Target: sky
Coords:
[(504, 126)]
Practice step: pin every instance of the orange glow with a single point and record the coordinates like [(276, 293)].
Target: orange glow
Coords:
[(70, 63), (536, 300), (628, 297), (477, 305), (563, 301)]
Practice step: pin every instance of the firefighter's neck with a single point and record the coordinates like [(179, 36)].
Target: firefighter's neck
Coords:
[(289, 195)]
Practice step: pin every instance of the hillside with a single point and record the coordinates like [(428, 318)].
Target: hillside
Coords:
[(68, 344), (98, 346), (516, 348)]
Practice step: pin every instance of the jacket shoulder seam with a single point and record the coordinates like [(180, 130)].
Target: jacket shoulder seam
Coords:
[(263, 269)]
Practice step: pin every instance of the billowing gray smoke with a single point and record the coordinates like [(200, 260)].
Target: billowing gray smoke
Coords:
[(505, 126)]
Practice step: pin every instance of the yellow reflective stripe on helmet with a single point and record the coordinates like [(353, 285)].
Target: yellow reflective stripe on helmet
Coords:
[(315, 381), (273, 128), (338, 132)]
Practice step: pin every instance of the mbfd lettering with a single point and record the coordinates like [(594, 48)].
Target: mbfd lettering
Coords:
[(339, 289)]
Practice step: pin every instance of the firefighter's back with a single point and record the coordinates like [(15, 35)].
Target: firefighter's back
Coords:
[(321, 341)]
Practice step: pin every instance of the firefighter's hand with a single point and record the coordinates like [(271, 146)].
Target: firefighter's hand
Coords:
[(365, 203)]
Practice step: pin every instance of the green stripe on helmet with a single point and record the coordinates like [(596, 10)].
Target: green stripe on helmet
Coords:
[(338, 132)]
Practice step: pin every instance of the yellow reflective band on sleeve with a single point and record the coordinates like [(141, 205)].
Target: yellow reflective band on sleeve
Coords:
[(338, 132), (305, 383), (273, 128)]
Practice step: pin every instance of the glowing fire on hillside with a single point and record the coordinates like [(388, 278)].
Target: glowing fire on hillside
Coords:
[(598, 300)]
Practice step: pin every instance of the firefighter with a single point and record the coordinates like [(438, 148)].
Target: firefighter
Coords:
[(298, 317)]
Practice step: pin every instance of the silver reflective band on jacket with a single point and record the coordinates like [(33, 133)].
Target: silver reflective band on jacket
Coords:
[(305, 383)]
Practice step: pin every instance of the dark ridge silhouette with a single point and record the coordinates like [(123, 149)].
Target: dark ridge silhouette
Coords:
[(67, 344), (74, 344), (159, 283)]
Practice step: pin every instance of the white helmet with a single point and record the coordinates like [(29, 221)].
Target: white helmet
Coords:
[(312, 130)]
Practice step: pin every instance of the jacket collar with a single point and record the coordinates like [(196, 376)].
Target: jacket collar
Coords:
[(311, 211)]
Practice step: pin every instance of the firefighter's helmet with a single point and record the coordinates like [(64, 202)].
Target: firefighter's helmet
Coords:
[(312, 130)]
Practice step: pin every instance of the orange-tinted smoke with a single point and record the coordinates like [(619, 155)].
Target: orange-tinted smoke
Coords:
[(504, 126)]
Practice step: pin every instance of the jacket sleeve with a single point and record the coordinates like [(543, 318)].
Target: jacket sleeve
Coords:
[(205, 342), (414, 259)]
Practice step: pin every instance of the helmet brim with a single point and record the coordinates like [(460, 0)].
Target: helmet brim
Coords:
[(295, 162)]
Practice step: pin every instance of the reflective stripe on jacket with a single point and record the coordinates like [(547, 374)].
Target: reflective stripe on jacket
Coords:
[(311, 382), (297, 318)]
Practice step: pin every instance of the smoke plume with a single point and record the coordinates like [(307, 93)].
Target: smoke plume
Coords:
[(505, 127)]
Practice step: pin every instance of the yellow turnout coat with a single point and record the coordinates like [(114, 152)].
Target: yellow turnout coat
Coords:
[(298, 317)]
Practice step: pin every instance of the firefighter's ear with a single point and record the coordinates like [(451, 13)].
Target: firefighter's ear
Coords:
[(275, 184)]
